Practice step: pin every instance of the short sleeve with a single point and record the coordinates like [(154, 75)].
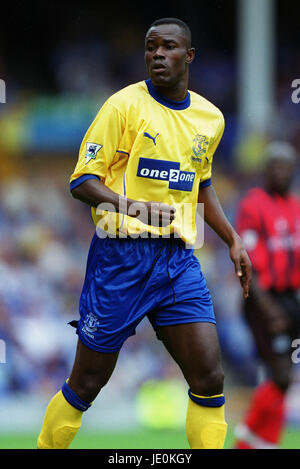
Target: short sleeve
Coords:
[(207, 167), (100, 144)]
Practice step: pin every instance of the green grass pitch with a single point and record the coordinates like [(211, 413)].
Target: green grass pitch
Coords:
[(139, 439)]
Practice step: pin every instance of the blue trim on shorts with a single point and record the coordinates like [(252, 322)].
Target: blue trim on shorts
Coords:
[(95, 347), (185, 321)]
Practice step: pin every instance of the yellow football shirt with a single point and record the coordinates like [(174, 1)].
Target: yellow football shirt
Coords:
[(148, 148)]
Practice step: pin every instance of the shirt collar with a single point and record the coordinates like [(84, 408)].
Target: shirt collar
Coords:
[(170, 103)]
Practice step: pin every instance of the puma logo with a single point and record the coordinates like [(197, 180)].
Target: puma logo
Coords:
[(150, 136)]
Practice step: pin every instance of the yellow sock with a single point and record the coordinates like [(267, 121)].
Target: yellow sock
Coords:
[(205, 424), (61, 423)]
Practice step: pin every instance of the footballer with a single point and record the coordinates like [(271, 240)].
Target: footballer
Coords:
[(146, 156)]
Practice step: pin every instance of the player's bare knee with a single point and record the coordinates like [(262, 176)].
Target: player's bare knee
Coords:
[(87, 387), (208, 384)]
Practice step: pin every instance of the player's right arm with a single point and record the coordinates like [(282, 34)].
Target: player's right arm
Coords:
[(93, 192), (101, 147)]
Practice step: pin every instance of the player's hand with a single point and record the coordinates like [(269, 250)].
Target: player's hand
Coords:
[(242, 265), (160, 214), (153, 213)]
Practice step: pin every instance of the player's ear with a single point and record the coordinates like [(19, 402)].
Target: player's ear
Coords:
[(190, 54)]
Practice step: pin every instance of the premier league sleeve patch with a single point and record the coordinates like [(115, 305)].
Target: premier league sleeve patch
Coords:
[(91, 151)]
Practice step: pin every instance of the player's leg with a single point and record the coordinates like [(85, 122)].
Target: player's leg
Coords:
[(113, 301), (103, 327), (91, 371), (195, 348), (264, 420)]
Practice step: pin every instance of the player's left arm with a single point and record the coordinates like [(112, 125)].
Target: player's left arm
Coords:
[(215, 217)]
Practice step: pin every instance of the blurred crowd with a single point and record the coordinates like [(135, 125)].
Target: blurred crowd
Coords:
[(84, 66)]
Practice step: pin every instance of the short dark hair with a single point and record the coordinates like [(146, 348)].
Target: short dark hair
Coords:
[(179, 23)]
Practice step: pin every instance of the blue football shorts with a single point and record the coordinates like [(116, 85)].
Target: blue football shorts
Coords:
[(127, 279)]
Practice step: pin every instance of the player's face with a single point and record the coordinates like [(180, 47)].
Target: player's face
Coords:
[(279, 175), (167, 54)]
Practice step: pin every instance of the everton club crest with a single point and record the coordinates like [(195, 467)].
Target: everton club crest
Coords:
[(200, 147)]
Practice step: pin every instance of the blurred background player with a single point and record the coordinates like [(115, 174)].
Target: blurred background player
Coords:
[(268, 221)]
